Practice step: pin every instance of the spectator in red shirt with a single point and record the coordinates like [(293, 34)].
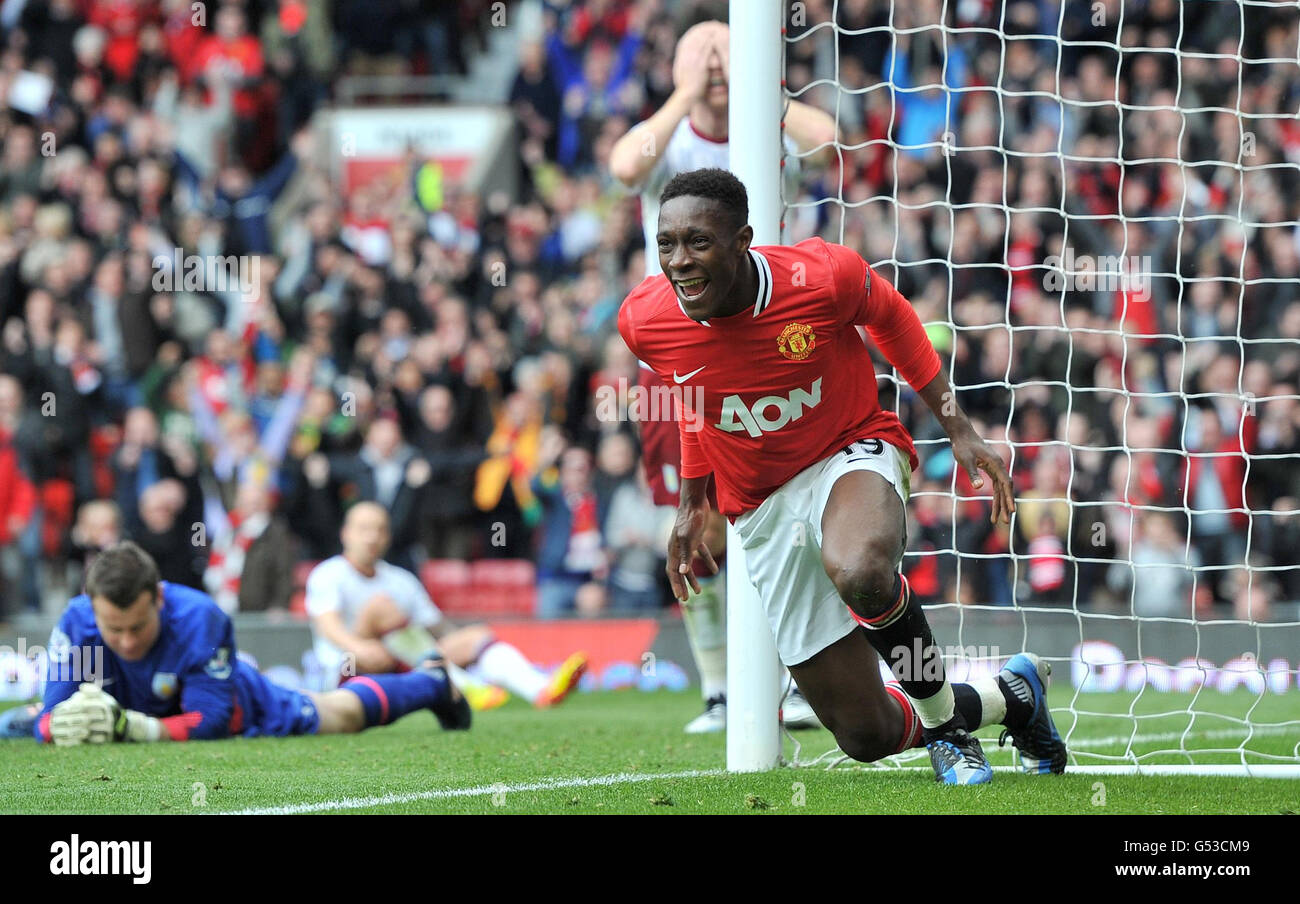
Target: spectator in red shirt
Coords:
[(122, 21), (239, 56), (18, 512), (1213, 483), (182, 37)]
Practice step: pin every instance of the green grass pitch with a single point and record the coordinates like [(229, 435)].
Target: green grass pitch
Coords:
[(625, 752)]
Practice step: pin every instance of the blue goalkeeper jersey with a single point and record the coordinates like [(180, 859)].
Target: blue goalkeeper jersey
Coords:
[(191, 677)]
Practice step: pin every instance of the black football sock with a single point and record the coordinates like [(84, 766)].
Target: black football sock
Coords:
[(902, 637), (968, 705)]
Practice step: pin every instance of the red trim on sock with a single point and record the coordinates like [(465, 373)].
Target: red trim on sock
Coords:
[(859, 619), (43, 726), (491, 640), (903, 596), (912, 728), (379, 692)]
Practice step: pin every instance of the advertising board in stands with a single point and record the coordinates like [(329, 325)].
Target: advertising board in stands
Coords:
[(460, 144)]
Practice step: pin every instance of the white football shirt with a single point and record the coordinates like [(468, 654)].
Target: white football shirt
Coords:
[(336, 586)]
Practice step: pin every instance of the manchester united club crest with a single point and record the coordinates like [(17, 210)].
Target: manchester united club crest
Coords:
[(796, 341)]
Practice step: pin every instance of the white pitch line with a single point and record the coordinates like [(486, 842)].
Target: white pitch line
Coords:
[(1086, 742), (1075, 743), (1175, 735), (1232, 770), (383, 800), (629, 778)]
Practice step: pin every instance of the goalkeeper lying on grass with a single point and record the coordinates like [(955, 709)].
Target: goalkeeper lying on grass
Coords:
[(170, 672)]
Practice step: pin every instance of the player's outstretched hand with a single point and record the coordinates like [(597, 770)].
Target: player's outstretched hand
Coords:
[(974, 455), (87, 717), (687, 542)]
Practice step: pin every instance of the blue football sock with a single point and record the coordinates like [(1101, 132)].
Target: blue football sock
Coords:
[(387, 698)]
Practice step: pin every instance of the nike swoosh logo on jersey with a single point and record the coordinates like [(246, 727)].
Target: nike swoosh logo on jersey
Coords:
[(683, 379)]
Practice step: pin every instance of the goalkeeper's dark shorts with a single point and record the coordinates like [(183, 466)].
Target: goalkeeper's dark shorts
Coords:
[(268, 709)]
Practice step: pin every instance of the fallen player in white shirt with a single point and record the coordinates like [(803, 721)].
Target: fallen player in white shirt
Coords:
[(369, 616)]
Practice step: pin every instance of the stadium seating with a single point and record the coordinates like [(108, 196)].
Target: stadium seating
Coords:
[(489, 588), (298, 602)]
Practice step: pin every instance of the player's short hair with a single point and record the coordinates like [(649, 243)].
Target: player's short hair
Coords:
[(108, 506), (712, 184), (367, 505), (121, 573)]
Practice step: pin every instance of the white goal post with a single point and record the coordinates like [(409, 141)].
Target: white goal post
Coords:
[(754, 132), (1214, 690)]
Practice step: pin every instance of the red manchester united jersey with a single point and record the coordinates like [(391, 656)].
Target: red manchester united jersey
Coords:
[(788, 381), (661, 451)]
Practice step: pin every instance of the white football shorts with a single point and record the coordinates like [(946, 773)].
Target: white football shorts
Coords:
[(783, 538)]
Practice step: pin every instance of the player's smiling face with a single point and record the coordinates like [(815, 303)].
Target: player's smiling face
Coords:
[(704, 256), (131, 632)]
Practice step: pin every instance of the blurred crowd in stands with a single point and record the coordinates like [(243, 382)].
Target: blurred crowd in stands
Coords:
[(441, 358), (1102, 202)]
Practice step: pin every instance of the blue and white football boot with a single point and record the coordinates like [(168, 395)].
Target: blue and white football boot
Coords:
[(1041, 748), (958, 759)]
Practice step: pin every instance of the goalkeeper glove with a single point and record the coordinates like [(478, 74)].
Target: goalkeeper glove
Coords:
[(91, 716), (138, 728)]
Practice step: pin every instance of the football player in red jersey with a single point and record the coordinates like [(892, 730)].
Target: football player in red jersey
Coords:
[(814, 474), (690, 132)]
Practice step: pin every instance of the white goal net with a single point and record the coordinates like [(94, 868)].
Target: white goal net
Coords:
[(1094, 208)]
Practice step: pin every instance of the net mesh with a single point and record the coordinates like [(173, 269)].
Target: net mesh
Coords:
[(1093, 207)]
